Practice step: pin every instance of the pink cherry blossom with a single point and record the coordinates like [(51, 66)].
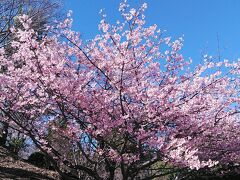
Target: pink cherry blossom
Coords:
[(131, 105)]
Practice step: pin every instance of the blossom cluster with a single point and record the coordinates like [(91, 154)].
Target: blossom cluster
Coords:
[(129, 97)]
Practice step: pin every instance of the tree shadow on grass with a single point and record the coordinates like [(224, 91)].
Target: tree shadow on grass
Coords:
[(13, 173)]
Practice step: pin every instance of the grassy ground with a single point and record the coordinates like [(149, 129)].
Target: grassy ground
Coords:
[(12, 168)]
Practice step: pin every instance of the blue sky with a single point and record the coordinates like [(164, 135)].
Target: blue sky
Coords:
[(200, 21)]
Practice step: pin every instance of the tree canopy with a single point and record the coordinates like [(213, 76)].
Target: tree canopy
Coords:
[(126, 103)]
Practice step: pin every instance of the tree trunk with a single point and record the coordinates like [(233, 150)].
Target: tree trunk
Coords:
[(4, 134)]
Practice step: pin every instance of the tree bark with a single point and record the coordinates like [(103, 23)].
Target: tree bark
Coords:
[(4, 134)]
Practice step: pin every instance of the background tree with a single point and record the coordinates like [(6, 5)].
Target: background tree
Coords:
[(41, 12)]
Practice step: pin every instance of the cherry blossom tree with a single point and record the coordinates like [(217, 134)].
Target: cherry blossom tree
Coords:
[(127, 101), (41, 12)]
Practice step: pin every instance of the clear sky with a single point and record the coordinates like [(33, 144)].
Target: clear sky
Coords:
[(201, 22)]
